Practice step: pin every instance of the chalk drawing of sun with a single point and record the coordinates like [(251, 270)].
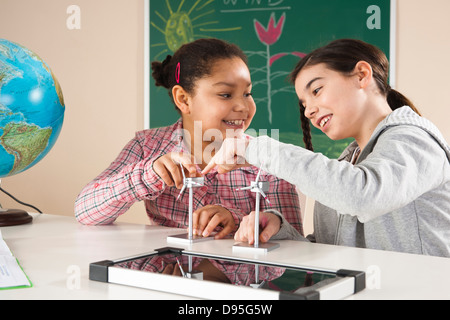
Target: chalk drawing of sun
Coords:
[(185, 24)]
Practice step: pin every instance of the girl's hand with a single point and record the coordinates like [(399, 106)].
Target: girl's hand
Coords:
[(168, 168), (269, 225), (173, 270), (206, 219), (230, 156)]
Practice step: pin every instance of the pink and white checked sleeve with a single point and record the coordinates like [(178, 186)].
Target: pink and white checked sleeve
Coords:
[(127, 180)]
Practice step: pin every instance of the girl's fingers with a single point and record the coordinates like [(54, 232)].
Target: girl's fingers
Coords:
[(246, 229), (168, 168)]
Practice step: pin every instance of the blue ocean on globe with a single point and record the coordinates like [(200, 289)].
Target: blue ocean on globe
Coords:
[(31, 108)]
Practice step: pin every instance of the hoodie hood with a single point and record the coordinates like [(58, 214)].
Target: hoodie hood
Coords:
[(406, 116)]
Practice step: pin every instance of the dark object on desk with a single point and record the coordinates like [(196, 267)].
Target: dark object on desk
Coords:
[(14, 217), (147, 271)]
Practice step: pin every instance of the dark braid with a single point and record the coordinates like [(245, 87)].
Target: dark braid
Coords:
[(306, 128)]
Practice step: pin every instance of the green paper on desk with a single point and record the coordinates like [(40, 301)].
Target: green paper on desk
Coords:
[(11, 274)]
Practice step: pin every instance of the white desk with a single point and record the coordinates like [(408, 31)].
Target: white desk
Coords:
[(54, 250)]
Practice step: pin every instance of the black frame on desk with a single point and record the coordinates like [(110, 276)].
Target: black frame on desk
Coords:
[(343, 284)]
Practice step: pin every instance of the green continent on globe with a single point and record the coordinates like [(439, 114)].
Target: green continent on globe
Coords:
[(25, 142)]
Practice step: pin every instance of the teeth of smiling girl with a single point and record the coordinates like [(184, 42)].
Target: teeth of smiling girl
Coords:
[(235, 122), (324, 121)]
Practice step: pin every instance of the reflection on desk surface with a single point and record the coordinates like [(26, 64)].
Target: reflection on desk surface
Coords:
[(243, 274)]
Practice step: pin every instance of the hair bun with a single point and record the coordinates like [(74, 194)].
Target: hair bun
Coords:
[(167, 61), (159, 72)]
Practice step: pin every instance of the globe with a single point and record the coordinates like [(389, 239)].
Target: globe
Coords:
[(31, 108)]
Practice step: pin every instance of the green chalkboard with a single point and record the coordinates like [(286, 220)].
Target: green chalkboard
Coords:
[(275, 34)]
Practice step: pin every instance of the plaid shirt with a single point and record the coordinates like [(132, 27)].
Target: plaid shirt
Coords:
[(131, 178)]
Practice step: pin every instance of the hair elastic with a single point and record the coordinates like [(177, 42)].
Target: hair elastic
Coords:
[(177, 72)]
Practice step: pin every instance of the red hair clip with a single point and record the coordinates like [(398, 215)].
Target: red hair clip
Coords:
[(177, 72)]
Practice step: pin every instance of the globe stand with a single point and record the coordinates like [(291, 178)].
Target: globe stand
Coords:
[(14, 217)]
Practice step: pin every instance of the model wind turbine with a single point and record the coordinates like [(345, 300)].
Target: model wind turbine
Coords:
[(258, 187), (189, 183)]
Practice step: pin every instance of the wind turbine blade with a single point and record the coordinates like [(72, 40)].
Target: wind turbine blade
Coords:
[(264, 196), (181, 192), (259, 173), (182, 171), (245, 188)]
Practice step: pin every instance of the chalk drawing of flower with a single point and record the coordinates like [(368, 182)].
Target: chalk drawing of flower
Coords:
[(268, 36), (273, 32)]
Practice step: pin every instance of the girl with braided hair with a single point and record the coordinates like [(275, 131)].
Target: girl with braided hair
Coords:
[(390, 189)]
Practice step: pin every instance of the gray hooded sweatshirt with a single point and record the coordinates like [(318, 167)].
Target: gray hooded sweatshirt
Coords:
[(396, 196)]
